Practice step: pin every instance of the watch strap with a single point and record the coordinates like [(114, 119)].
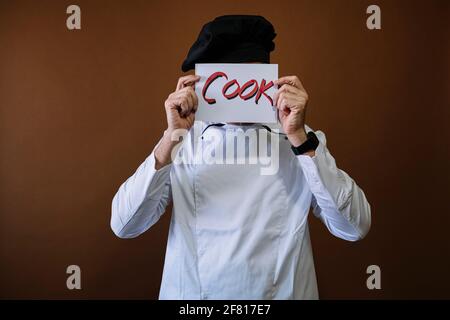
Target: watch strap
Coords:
[(310, 144)]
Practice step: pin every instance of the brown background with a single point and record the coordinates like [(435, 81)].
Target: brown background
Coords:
[(81, 109)]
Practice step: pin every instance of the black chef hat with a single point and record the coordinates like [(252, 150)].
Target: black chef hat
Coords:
[(232, 39)]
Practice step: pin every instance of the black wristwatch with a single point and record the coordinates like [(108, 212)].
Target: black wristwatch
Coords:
[(310, 144)]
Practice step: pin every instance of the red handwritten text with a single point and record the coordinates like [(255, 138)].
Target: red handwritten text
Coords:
[(233, 89)]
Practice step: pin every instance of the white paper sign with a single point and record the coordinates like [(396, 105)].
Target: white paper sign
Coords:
[(236, 92)]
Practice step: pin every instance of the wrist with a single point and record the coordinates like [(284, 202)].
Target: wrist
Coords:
[(297, 138), (307, 147), (163, 153), (171, 137)]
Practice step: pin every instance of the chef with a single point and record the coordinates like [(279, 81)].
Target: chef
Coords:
[(236, 233)]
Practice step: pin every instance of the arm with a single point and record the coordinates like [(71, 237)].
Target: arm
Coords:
[(143, 198), (337, 199)]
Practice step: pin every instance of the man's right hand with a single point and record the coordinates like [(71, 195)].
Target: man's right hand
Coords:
[(180, 112), (182, 104)]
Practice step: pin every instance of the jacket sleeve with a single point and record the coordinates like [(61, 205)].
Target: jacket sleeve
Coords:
[(337, 199), (141, 199)]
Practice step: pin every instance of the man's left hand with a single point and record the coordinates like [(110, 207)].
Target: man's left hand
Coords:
[(290, 100)]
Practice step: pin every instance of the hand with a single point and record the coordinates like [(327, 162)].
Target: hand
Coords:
[(182, 104), (290, 100), (180, 112)]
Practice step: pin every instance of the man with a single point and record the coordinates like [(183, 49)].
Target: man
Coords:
[(235, 233)]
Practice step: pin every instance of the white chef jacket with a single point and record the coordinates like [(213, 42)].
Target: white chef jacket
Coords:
[(235, 233)]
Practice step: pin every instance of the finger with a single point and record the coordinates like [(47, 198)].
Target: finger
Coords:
[(287, 97), (291, 89), (182, 106), (191, 83), (281, 98), (189, 94), (285, 106), (287, 101), (194, 99), (190, 119), (283, 111), (288, 89), (190, 101), (184, 94), (181, 81), (172, 101), (291, 80), (186, 81), (282, 115)]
